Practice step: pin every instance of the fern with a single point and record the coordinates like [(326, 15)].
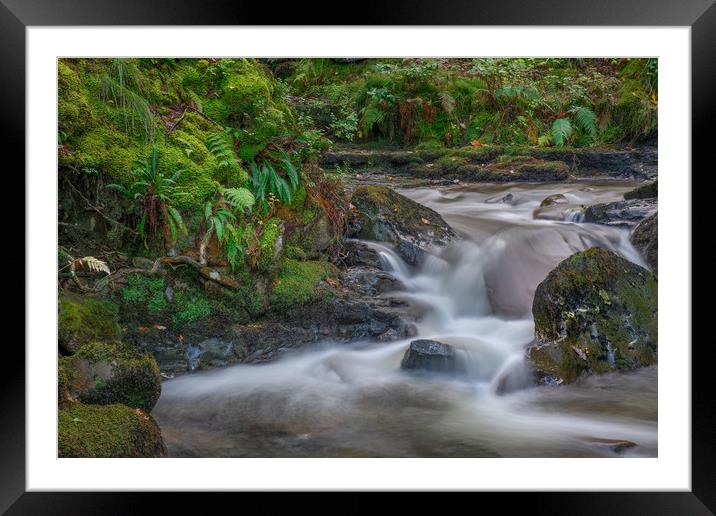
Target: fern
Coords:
[(92, 263), (586, 120), (123, 86), (239, 198), (290, 169), (561, 131), (447, 101), (221, 148)]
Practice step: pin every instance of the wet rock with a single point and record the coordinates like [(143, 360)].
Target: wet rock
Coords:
[(360, 254), (645, 238), (108, 431), (595, 312), (112, 372), (430, 355), (505, 199), (621, 213), (386, 216), (554, 199), (647, 191), (372, 281)]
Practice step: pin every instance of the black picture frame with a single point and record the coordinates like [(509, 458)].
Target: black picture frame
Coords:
[(700, 15)]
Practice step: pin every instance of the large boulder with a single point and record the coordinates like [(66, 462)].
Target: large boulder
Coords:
[(111, 372), (430, 355), (595, 312), (621, 213), (385, 215), (645, 238), (108, 431), (82, 320), (647, 191)]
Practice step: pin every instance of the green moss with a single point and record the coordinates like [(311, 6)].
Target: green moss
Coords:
[(189, 308), (83, 320), (112, 372), (140, 288), (299, 283), (107, 431), (270, 245), (595, 312), (73, 109)]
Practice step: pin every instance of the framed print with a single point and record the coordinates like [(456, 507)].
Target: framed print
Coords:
[(417, 253)]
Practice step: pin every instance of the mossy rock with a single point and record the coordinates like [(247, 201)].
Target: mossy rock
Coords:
[(647, 191), (82, 320), (300, 283), (387, 216), (595, 312), (111, 372), (108, 431), (270, 246)]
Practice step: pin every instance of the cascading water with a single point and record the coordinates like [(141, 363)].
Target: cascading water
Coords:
[(476, 295)]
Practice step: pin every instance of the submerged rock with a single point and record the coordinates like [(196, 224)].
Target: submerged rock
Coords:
[(645, 238), (647, 191), (595, 312), (430, 355), (621, 213), (360, 254), (554, 199), (113, 372), (108, 431), (386, 216)]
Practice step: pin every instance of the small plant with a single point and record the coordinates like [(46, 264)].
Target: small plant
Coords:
[(156, 196), (220, 220), (266, 180)]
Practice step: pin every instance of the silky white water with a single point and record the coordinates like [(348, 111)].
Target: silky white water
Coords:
[(338, 399)]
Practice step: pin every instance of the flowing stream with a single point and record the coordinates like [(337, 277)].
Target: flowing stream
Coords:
[(353, 400)]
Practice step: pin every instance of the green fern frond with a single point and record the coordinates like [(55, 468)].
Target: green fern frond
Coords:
[(561, 131), (586, 120), (239, 198)]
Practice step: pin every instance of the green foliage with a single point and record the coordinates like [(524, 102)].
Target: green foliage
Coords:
[(190, 308), (156, 196), (122, 85), (220, 220), (586, 120), (561, 131)]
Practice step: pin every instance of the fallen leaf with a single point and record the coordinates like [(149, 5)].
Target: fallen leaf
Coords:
[(160, 327), (424, 220), (476, 143)]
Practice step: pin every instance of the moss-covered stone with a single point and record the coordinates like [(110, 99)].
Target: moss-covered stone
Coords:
[(111, 372), (386, 216), (270, 246), (108, 431), (82, 320), (595, 312), (299, 283)]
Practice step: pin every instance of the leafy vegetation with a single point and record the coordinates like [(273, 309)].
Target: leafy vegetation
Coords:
[(449, 102), (157, 197)]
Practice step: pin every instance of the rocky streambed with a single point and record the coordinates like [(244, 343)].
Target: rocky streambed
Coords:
[(467, 267)]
